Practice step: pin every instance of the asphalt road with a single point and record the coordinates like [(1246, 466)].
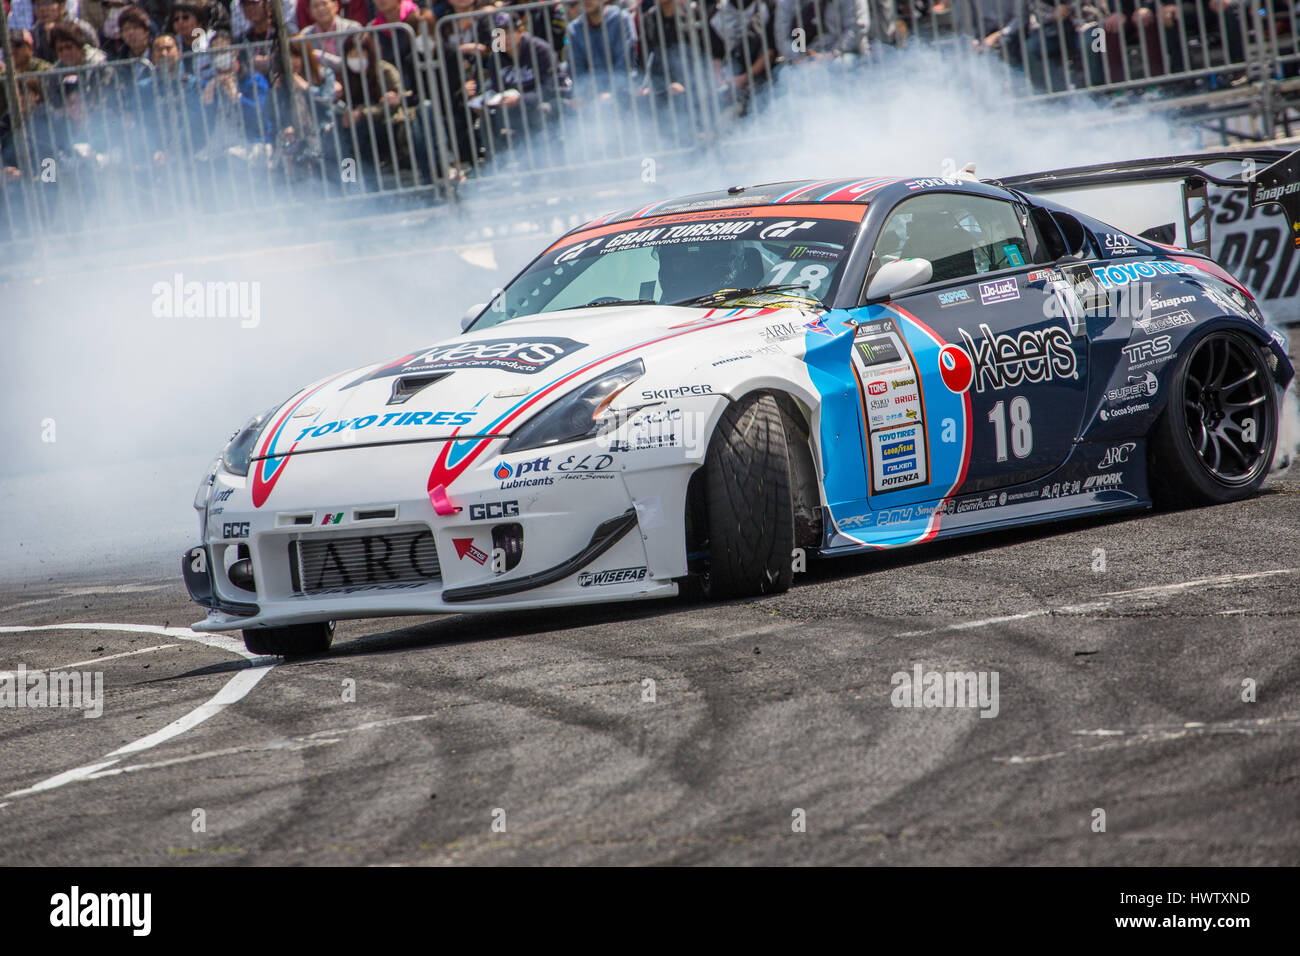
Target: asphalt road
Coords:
[(1118, 690)]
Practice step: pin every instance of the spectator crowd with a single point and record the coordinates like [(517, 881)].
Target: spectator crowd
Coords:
[(368, 94)]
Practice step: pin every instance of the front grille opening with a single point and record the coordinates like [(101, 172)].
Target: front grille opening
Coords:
[(338, 563), (374, 514)]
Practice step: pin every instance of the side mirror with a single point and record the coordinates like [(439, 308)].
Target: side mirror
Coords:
[(899, 276), (471, 314)]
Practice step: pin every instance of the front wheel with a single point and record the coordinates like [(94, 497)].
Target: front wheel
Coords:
[(296, 640), (750, 517), (1215, 440)]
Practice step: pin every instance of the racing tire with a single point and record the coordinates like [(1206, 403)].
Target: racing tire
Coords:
[(1199, 452), (750, 510), (296, 640)]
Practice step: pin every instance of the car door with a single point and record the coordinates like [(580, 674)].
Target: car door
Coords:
[(992, 354)]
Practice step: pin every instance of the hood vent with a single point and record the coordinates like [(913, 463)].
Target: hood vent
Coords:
[(407, 385)]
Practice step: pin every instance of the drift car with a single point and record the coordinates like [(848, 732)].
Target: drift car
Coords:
[(701, 393)]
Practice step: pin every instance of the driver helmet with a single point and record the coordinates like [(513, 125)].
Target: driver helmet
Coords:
[(697, 268)]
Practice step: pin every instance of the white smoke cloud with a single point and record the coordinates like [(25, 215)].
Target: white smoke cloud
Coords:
[(140, 402)]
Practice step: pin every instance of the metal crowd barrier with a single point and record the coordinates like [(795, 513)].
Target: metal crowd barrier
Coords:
[(220, 131), (537, 88)]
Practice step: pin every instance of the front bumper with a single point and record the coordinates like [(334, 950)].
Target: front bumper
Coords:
[(574, 526)]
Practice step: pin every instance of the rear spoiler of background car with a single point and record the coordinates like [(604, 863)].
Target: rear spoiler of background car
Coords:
[(1277, 183)]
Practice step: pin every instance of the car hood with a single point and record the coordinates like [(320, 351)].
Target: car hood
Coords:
[(480, 382)]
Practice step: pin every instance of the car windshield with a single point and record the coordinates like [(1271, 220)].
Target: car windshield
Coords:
[(672, 259)]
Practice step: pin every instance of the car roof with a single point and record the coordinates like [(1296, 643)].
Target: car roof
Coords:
[(859, 190)]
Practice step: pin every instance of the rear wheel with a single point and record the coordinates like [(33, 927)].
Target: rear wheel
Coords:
[(296, 640), (746, 492), (1215, 440)]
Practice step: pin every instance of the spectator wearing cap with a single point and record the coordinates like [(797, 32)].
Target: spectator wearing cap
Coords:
[(326, 19), (52, 13), (25, 58), (600, 50)]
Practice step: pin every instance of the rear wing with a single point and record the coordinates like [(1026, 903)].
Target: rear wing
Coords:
[(1278, 183)]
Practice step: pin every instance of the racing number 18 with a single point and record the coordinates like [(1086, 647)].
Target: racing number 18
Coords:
[(1022, 433)]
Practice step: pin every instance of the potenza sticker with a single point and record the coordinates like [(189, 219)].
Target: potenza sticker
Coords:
[(588, 579), (898, 458), (524, 356)]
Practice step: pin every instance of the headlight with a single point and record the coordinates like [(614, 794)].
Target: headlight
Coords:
[(240, 448), (581, 414), (205, 486)]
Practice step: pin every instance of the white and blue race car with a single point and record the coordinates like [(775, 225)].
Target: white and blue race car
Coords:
[(706, 392)]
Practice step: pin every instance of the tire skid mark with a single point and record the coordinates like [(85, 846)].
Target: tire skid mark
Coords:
[(1154, 591)]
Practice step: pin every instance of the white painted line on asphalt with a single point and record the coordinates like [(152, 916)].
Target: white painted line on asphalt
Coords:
[(59, 780), (1219, 581), (1119, 739), (1006, 618), (83, 592), (8, 675), (219, 641), (233, 691), (1153, 591)]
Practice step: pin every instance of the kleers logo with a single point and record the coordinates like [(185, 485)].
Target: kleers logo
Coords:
[(1033, 356), (956, 368), (524, 355), (465, 549), (589, 579), (1116, 455)]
